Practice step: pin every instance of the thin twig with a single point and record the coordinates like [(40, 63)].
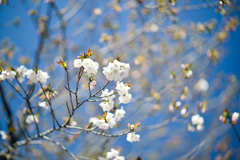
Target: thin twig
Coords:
[(61, 146)]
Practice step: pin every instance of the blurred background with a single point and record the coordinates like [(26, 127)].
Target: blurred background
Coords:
[(155, 38)]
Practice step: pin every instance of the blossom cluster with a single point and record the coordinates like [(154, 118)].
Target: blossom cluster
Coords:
[(108, 105), (133, 137), (196, 123), (90, 67), (110, 119), (114, 154), (116, 71), (123, 89), (34, 76)]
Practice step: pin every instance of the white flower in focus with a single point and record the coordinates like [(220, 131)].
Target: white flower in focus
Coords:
[(4, 135), (102, 124), (235, 116), (124, 70), (90, 67), (42, 76), (132, 137), (43, 104), (30, 119), (110, 119), (77, 63), (106, 95), (32, 76), (122, 88), (119, 114), (125, 99), (94, 120), (112, 154), (109, 115), (116, 71), (107, 106), (111, 122), (201, 85), (108, 73)]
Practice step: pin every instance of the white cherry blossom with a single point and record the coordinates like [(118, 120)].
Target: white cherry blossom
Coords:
[(90, 67), (32, 76), (119, 114), (102, 124), (106, 95), (42, 76), (122, 88), (77, 63), (111, 122), (107, 106), (113, 153), (125, 99), (116, 71), (132, 137)]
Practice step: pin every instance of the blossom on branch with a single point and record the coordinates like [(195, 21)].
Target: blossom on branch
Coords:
[(132, 137), (90, 67), (116, 71), (119, 114)]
